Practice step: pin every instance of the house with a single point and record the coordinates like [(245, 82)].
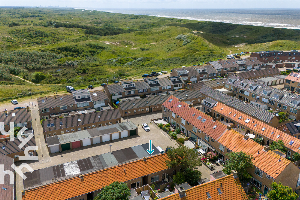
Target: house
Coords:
[(270, 81), (20, 118), (218, 83), (258, 128), (78, 122), (206, 72), (126, 89), (83, 138), (7, 189), (269, 166), (239, 105), (158, 85), (275, 99), (255, 74), (223, 188), (177, 82), (292, 82), (276, 56), (92, 174), (11, 148), (187, 74), (154, 103), (78, 100)]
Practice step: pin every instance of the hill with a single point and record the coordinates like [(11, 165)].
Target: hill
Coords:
[(81, 47)]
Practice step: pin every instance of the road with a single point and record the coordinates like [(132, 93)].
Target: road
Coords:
[(22, 103)]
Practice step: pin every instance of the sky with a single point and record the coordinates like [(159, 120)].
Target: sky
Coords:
[(194, 4)]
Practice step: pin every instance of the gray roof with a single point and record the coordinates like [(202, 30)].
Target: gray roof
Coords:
[(16, 116), (81, 119), (210, 69), (7, 189), (140, 85), (115, 88), (259, 73), (288, 98), (186, 71), (216, 65), (157, 100), (220, 82), (56, 101), (165, 82), (9, 147), (89, 133), (237, 104), (98, 95), (99, 162)]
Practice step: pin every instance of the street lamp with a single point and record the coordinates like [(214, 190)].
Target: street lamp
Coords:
[(110, 147)]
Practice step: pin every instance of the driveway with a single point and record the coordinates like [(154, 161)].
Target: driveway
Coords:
[(22, 103)]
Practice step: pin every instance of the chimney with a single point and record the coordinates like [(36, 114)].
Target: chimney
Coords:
[(246, 137), (266, 148), (82, 178)]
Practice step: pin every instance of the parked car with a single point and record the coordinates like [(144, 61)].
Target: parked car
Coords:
[(16, 108), (164, 72), (145, 75), (146, 127), (159, 73), (103, 84), (90, 87), (154, 74), (14, 101), (70, 88), (116, 81)]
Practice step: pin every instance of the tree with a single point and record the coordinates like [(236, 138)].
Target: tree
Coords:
[(279, 145), (179, 178), (296, 156), (283, 116), (192, 176), (184, 157), (281, 192), (38, 77), (114, 191), (239, 162)]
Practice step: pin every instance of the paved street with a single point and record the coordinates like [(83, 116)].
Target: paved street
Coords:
[(24, 103)]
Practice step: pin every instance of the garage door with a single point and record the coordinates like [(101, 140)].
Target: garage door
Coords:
[(115, 136), (65, 147), (96, 140), (124, 134), (54, 149), (105, 138), (86, 142), (132, 132), (76, 144)]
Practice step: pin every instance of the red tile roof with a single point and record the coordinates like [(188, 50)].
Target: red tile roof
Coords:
[(94, 181), (267, 161), (258, 126), (212, 128), (230, 189), (293, 77)]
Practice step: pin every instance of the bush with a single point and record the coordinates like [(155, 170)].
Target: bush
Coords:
[(180, 140), (160, 125), (178, 131), (167, 125), (174, 136)]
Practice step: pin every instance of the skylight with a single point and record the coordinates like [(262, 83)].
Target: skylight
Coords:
[(214, 127), (179, 106), (208, 195), (263, 129), (278, 136), (194, 114), (247, 120), (229, 113), (272, 132), (170, 100), (219, 190), (203, 120), (291, 142), (199, 117)]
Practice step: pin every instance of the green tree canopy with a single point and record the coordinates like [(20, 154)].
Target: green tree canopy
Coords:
[(114, 191), (38, 77), (281, 192), (184, 157), (239, 162), (279, 145)]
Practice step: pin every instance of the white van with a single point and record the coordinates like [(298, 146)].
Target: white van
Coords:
[(160, 149)]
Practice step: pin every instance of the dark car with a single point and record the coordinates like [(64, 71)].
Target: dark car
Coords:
[(16, 108), (90, 87), (145, 75), (154, 74), (103, 84)]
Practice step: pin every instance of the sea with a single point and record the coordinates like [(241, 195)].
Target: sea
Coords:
[(277, 18)]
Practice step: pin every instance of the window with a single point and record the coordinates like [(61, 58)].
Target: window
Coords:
[(258, 172), (221, 148), (219, 190), (206, 138), (288, 81), (183, 121), (284, 107), (208, 195), (154, 178)]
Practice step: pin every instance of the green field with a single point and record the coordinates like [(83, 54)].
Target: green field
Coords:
[(78, 48)]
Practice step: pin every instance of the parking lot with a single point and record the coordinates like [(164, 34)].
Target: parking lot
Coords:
[(21, 103)]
